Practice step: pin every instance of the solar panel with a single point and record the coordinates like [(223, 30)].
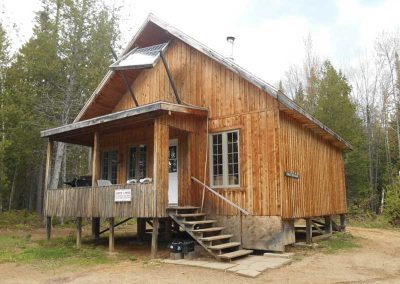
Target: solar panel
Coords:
[(140, 58)]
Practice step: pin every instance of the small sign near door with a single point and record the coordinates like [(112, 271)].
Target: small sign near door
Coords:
[(123, 195)]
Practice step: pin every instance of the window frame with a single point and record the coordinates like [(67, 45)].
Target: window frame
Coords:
[(225, 163), (109, 166), (137, 166)]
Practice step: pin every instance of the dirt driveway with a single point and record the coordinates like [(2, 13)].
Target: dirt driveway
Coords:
[(376, 261)]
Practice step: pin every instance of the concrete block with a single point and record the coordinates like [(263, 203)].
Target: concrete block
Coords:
[(175, 255), (284, 255), (248, 273)]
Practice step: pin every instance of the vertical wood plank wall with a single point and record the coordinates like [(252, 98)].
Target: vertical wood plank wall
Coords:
[(320, 190), (234, 103)]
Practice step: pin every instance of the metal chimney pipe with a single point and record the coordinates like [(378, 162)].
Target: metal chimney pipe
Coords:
[(231, 40)]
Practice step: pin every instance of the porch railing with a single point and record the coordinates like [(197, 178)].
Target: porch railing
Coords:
[(100, 201), (219, 196)]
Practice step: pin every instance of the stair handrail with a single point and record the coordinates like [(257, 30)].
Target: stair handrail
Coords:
[(222, 197)]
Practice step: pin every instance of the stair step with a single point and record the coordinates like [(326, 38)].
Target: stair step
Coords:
[(188, 215), (200, 222), (225, 246), (215, 238), (208, 230), (235, 254), (182, 207)]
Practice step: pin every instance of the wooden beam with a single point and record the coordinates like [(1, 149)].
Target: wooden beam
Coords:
[(141, 228), (342, 222), (153, 107), (168, 229), (48, 228), (111, 240), (78, 232), (96, 227), (315, 225), (95, 159), (154, 238), (308, 231), (328, 225), (171, 81), (160, 166), (128, 86), (49, 157)]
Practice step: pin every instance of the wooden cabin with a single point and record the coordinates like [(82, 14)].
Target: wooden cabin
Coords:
[(229, 158)]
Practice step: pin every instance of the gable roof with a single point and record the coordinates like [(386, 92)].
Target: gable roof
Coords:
[(155, 25)]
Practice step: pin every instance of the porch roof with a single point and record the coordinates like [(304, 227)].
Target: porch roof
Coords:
[(79, 132)]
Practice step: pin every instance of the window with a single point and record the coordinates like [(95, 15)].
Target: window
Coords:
[(224, 153), (109, 165), (137, 162)]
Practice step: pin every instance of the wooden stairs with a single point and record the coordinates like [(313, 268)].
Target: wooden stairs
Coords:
[(210, 237)]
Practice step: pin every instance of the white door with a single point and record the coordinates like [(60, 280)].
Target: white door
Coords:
[(173, 172)]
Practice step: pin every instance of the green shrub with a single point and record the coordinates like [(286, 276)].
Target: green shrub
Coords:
[(20, 219), (392, 202)]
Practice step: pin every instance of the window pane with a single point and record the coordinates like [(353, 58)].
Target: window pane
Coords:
[(217, 159), (104, 166), (233, 158), (132, 163), (173, 159), (114, 166), (142, 161)]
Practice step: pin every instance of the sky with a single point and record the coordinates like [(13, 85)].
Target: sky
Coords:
[(269, 34)]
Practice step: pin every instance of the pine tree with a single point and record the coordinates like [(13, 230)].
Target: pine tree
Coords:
[(52, 76), (336, 110)]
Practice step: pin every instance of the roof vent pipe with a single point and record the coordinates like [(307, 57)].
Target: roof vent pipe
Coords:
[(231, 40)]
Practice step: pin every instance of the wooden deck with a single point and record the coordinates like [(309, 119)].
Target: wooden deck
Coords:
[(99, 202)]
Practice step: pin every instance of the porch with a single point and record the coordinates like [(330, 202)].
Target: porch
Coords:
[(127, 145)]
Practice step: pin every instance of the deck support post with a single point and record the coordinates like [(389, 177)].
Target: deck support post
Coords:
[(328, 225), (168, 229), (96, 227), (111, 235), (141, 229), (154, 238), (342, 222), (78, 232), (308, 231), (48, 228)]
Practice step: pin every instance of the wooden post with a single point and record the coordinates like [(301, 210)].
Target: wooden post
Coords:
[(95, 159), (78, 232), (342, 222), (168, 229), (308, 231), (328, 225), (95, 227), (160, 166), (154, 238), (141, 229), (48, 228), (111, 235), (46, 186), (95, 176)]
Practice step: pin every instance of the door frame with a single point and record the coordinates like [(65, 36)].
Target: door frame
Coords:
[(174, 142)]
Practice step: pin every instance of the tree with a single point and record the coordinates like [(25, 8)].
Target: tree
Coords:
[(4, 62), (335, 109), (52, 75)]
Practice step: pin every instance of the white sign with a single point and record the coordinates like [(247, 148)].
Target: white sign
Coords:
[(123, 195)]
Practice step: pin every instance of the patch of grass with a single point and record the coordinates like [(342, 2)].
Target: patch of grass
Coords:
[(57, 252), (359, 217), (339, 242)]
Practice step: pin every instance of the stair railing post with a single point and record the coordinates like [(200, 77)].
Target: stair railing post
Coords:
[(202, 199)]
